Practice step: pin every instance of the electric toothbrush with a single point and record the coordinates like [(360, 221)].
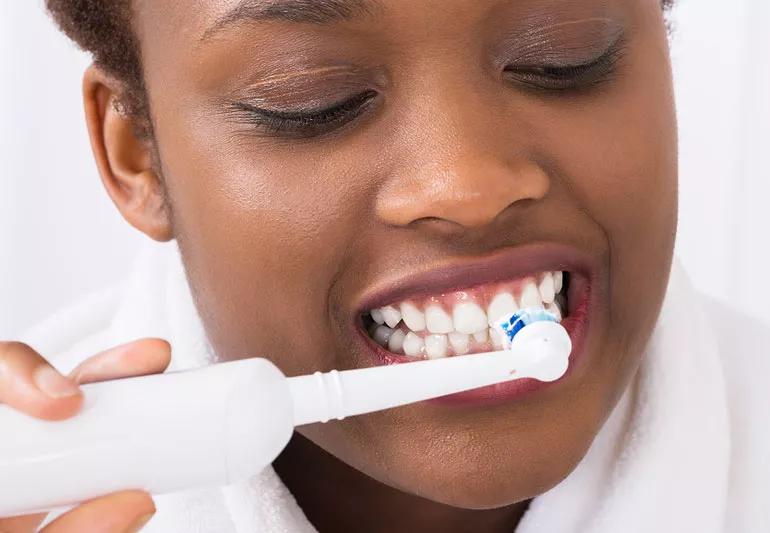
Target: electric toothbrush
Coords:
[(222, 423)]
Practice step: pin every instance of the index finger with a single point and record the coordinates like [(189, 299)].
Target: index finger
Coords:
[(137, 358)]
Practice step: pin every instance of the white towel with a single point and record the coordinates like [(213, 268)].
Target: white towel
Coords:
[(685, 450)]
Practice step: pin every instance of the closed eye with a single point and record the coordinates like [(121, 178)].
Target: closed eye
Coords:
[(303, 123), (570, 77)]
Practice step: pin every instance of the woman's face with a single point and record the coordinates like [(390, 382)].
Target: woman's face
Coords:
[(323, 159)]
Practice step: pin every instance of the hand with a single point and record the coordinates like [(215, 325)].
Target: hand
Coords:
[(31, 385)]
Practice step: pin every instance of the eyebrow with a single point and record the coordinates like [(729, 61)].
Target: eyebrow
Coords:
[(296, 11)]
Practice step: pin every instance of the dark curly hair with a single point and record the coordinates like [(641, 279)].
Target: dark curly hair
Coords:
[(103, 28)]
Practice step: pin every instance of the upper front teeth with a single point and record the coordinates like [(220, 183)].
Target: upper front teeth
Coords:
[(413, 317), (547, 288), (502, 304), (558, 280), (377, 316), (467, 324), (391, 315), (530, 297), (468, 318), (437, 320)]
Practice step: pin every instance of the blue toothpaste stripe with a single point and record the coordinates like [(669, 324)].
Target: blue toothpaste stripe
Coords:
[(518, 320)]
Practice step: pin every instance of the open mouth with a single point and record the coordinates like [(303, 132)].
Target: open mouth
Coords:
[(447, 311), (461, 322)]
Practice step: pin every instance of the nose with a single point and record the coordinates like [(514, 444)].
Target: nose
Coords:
[(463, 181)]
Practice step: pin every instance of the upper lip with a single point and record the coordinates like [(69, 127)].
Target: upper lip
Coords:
[(458, 274)]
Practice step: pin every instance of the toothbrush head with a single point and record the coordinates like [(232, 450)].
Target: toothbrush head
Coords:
[(510, 325)]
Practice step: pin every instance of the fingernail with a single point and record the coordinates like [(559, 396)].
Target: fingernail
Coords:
[(139, 523), (54, 384)]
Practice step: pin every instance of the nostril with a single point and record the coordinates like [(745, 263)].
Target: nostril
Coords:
[(437, 226), (472, 193)]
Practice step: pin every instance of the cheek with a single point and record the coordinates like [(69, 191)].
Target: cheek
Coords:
[(263, 235), (620, 166), (636, 195), (632, 195)]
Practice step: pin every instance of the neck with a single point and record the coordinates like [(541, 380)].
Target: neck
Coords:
[(337, 497)]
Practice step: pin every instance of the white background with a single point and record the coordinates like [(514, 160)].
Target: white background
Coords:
[(60, 237)]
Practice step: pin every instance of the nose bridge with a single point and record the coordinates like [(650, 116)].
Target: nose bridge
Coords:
[(460, 164)]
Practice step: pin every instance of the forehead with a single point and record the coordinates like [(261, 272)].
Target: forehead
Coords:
[(201, 44), (199, 20)]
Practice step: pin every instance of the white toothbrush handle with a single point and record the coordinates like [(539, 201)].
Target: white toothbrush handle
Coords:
[(212, 426), (540, 350), (161, 433)]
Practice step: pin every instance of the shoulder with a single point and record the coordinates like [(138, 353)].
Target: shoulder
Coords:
[(744, 347)]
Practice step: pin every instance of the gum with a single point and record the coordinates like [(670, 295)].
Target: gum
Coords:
[(482, 295)]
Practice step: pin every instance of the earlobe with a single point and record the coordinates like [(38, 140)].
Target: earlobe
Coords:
[(124, 158)]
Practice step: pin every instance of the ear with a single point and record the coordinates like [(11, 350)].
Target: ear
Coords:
[(124, 159)]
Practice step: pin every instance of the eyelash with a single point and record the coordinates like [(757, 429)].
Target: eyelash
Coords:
[(568, 78), (307, 123), (311, 123)]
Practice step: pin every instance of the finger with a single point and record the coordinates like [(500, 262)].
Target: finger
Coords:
[(138, 358), (21, 524), (117, 513), (28, 383)]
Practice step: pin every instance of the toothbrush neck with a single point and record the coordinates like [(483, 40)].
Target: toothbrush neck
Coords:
[(359, 501)]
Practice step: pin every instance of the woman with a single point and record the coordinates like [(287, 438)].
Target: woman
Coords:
[(395, 173)]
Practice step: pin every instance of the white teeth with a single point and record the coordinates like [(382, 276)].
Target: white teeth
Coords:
[(413, 317), (469, 318), (396, 341), (437, 320), (502, 304), (391, 315), (468, 327), (382, 334), (481, 336), (436, 346), (554, 309), (413, 345), (460, 342), (558, 280), (547, 288), (497, 339), (530, 297), (377, 316)]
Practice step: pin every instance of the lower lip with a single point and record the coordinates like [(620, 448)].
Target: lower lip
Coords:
[(576, 324)]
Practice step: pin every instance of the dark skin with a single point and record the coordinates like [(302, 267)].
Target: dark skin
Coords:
[(460, 153)]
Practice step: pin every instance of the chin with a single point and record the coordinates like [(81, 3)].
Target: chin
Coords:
[(475, 488), (476, 475)]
